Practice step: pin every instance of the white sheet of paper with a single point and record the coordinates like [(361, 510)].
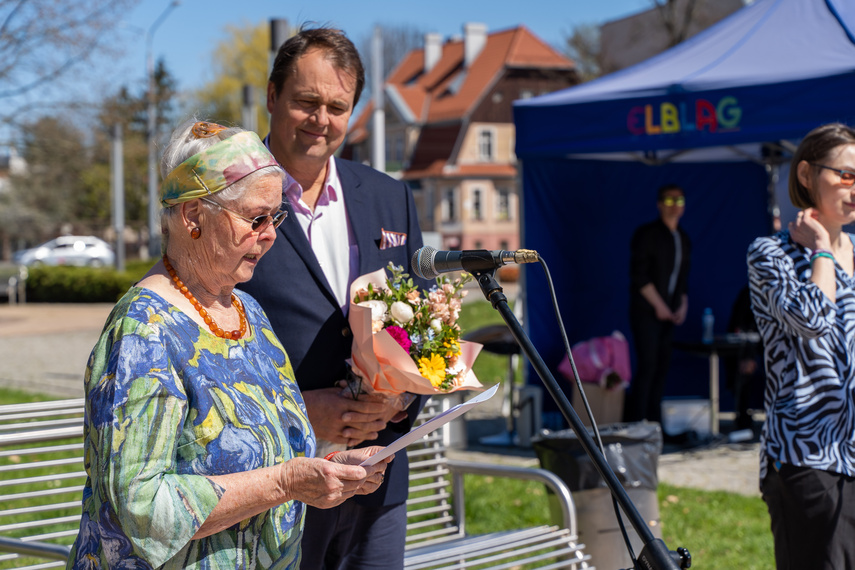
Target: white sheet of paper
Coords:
[(430, 426)]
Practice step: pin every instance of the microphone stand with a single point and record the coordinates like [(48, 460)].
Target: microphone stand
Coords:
[(654, 554)]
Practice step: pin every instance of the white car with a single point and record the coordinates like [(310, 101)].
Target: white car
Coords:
[(68, 250)]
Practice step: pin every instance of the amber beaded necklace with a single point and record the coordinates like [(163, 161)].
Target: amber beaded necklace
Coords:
[(209, 320)]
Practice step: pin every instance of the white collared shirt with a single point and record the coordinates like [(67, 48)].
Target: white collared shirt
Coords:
[(329, 232)]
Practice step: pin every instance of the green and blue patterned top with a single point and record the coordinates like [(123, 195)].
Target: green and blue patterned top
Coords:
[(168, 403)]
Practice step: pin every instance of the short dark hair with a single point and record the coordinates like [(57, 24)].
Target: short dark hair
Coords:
[(340, 51), (815, 148), (666, 188)]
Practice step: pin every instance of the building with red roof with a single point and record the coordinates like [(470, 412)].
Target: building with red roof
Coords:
[(449, 129)]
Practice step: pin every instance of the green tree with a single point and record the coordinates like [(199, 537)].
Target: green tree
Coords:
[(50, 190), (239, 59), (67, 184), (130, 112)]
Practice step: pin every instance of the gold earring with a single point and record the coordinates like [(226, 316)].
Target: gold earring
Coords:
[(195, 233)]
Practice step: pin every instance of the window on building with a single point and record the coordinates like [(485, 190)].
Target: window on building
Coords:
[(486, 145), (503, 204), (503, 244), (478, 244), (477, 204), (449, 210)]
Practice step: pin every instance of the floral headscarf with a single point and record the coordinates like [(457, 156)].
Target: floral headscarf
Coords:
[(215, 168)]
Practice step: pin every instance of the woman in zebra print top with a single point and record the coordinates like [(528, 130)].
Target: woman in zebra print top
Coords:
[(803, 298)]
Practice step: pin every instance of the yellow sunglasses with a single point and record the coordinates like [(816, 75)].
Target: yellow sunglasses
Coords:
[(672, 201)]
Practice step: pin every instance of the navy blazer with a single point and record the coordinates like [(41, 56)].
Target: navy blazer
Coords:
[(292, 289)]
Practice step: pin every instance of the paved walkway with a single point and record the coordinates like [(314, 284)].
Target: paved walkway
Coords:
[(44, 348)]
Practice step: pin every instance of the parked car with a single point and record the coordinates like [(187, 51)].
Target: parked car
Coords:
[(68, 250)]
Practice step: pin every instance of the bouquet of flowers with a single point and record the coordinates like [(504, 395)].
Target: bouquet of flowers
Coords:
[(403, 342)]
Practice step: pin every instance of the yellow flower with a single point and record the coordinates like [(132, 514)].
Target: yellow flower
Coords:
[(433, 369)]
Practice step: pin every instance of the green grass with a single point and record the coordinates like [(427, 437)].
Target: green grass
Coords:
[(9, 396), (499, 503), (489, 368), (721, 530)]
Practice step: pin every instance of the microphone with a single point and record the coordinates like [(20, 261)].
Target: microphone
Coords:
[(428, 263)]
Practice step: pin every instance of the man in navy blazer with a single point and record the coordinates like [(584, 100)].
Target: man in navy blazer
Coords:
[(345, 220)]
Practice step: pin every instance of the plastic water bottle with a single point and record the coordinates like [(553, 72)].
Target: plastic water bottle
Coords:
[(708, 321)]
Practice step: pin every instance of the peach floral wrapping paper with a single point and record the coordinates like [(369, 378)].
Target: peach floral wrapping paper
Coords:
[(384, 365)]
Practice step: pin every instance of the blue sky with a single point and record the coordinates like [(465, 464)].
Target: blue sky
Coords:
[(188, 35)]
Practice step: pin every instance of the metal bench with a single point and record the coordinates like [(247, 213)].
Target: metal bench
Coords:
[(436, 515), (41, 482), (42, 478)]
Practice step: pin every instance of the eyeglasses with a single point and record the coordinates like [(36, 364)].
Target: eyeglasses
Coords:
[(847, 177), (257, 222), (674, 201)]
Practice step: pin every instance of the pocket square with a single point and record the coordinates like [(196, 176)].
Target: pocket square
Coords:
[(391, 239)]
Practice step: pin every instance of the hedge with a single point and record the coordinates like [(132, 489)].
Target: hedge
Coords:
[(65, 284)]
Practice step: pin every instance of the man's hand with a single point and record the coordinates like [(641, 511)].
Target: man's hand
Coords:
[(402, 403), (680, 313), (337, 417), (663, 313), (660, 307)]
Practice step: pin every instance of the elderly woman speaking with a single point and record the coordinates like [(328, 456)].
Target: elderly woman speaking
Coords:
[(197, 444)]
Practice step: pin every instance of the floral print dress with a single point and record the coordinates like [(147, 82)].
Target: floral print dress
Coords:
[(168, 403)]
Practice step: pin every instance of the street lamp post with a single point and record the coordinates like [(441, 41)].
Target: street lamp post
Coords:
[(151, 135)]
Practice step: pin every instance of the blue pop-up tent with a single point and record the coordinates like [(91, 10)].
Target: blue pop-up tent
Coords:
[(717, 115)]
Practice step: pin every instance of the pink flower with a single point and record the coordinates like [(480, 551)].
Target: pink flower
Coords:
[(439, 306), (400, 336)]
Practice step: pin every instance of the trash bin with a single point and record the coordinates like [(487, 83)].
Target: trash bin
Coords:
[(632, 451)]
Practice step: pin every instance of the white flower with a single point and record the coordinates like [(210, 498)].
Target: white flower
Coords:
[(402, 312), (436, 325), (378, 310)]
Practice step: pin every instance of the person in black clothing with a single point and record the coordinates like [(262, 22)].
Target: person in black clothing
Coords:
[(659, 274)]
